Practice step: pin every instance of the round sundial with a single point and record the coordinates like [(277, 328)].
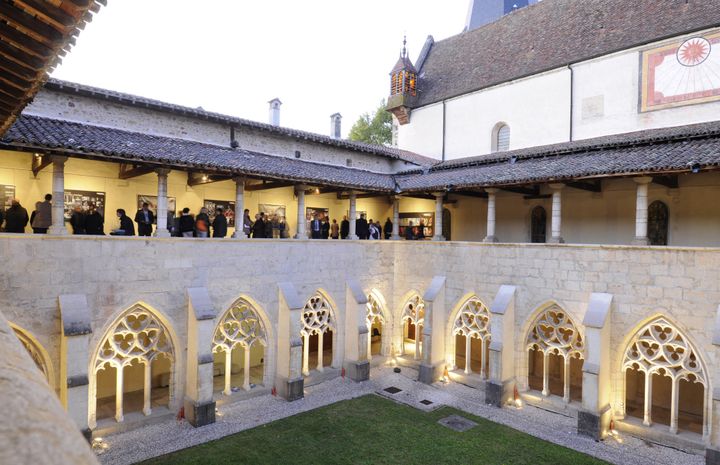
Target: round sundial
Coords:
[(693, 51)]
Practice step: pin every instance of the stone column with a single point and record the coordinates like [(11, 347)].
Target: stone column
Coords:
[(320, 367), (641, 210), (594, 416), (556, 227), (306, 354), (433, 332), (119, 394), (74, 355), (300, 191), (468, 351), (289, 381), (228, 373), (546, 374), (437, 229), (647, 417), (246, 369), (147, 389), (239, 208), (161, 214), (353, 213), (58, 192), (396, 219), (357, 333), (199, 404), (674, 406), (491, 215), (499, 387)]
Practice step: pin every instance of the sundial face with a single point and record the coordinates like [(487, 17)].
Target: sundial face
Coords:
[(694, 51)]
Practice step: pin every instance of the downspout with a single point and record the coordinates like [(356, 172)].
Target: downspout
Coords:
[(443, 131), (572, 100)]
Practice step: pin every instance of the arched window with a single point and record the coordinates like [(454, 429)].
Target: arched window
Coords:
[(658, 223), (665, 381), (318, 318), (413, 319), (501, 138), (555, 350), (375, 321), (37, 352), (239, 328), (472, 334), (134, 364), (538, 225)]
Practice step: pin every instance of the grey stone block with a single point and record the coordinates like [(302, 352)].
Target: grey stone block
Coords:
[(199, 414), (589, 424), (358, 371), (295, 389), (494, 394), (712, 456), (429, 374)]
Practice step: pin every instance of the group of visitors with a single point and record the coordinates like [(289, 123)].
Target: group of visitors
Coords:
[(264, 227), (16, 218), (185, 225), (415, 233), (321, 228)]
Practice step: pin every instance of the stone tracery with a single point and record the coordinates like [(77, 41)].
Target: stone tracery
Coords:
[(374, 316), (317, 318), (473, 322), (414, 313)]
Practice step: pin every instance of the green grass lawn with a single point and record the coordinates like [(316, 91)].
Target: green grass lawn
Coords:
[(374, 430)]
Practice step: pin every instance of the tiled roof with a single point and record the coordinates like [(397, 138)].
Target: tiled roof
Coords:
[(40, 133), (655, 151), (133, 100), (552, 34)]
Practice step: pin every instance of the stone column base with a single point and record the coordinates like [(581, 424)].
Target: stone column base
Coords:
[(161, 233), (395, 238), (490, 239), (199, 414), (592, 424), (358, 371), (556, 240), (712, 456), (353, 237), (290, 389), (430, 373), (498, 394), (640, 241), (438, 238)]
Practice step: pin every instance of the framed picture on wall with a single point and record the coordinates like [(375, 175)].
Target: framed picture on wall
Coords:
[(8, 193), (427, 219), (84, 199), (152, 201), (228, 207)]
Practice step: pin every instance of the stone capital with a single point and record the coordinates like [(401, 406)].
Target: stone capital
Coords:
[(643, 180), (240, 180), (491, 190), (58, 159), (162, 171), (439, 195)]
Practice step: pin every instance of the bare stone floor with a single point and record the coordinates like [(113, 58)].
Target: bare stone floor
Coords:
[(157, 439)]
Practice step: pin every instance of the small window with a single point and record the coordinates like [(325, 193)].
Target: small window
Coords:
[(658, 223), (501, 138), (297, 154), (538, 225), (348, 162)]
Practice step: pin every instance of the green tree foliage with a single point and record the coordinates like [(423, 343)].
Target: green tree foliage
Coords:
[(373, 130)]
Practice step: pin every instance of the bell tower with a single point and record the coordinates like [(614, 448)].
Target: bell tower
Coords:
[(403, 87)]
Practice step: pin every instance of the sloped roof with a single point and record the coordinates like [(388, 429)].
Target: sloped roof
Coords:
[(199, 113), (552, 34), (59, 136), (656, 151)]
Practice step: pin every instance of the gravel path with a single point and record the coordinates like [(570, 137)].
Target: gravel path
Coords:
[(153, 440)]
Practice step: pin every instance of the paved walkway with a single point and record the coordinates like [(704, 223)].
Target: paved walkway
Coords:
[(153, 440)]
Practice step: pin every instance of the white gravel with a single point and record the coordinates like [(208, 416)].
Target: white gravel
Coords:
[(162, 438)]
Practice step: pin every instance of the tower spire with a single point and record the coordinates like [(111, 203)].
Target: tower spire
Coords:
[(403, 54)]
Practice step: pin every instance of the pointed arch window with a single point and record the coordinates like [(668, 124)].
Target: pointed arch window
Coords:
[(473, 323), (413, 319), (658, 219), (318, 318), (375, 323)]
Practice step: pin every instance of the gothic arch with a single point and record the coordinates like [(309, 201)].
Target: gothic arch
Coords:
[(37, 353), (469, 318), (318, 317), (553, 336), (412, 317), (139, 333), (660, 347), (243, 325), (377, 312)]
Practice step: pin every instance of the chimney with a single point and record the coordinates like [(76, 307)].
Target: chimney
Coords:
[(335, 126), (275, 111)]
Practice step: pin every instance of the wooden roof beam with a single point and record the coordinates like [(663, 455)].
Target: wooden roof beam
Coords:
[(39, 162), (33, 25), (527, 191), (269, 185), (197, 179), (324, 190), (128, 171), (49, 11), (671, 181), (591, 186), (479, 195), (25, 42)]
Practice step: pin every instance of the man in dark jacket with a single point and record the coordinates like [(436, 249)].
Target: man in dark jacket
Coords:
[(77, 220), (258, 227), (16, 218), (219, 224), (344, 228), (361, 228), (325, 228), (94, 221), (315, 228), (268, 225), (202, 223), (126, 225), (186, 223), (409, 234), (145, 219), (387, 229)]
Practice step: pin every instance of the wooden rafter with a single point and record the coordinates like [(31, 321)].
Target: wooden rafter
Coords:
[(39, 162), (527, 191), (269, 185), (479, 195), (324, 190), (670, 181), (196, 179), (128, 170), (591, 186)]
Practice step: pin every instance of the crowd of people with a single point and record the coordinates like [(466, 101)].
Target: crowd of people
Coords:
[(89, 221)]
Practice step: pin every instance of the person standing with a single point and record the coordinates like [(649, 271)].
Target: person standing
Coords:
[(282, 228), (362, 229), (126, 225), (247, 223), (409, 234), (186, 223), (325, 228), (43, 216), (94, 221), (258, 228), (373, 233), (268, 225), (219, 224), (316, 228), (145, 219), (334, 230), (344, 228), (387, 229), (16, 217), (421, 231), (202, 223), (77, 220)]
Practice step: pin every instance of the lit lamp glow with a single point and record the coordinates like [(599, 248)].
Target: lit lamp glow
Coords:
[(99, 446)]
